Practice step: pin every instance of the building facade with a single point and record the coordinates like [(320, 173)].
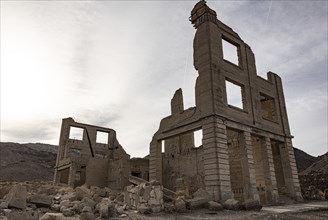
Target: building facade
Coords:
[(246, 151)]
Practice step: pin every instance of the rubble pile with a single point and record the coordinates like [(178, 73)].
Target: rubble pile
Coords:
[(23, 201), (34, 201)]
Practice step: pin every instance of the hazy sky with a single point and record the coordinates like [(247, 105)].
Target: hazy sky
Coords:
[(117, 64)]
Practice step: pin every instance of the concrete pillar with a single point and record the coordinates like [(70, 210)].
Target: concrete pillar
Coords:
[(155, 161), (246, 151), (269, 173), (216, 159), (71, 174), (290, 170)]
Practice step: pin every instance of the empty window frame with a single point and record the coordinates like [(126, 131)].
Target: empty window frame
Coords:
[(74, 152), (102, 137), (268, 107), (235, 94), (230, 52), (76, 133), (163, 146), (198, 136)]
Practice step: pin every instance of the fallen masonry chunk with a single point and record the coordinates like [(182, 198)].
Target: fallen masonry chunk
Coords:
[(196, 203), (214, 206), (41, 200), (231, 204), (16, 197)]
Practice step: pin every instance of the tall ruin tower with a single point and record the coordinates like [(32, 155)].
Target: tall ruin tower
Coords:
[(246, 150)]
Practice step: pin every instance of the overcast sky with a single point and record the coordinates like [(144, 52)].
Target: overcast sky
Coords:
[(117, 64)]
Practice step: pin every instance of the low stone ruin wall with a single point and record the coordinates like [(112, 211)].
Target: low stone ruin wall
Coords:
[(146, 197)]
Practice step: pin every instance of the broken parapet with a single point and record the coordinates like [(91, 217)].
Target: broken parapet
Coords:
[(145, 197)]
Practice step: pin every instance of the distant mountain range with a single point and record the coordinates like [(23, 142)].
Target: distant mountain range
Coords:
[(27, 162), (36, 161)]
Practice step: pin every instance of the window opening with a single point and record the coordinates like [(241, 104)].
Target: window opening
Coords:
[(102, 137), (198, 136), (163, 146), (230, 52), (268, 109), (76, 153), (234, 94), (76, 133)]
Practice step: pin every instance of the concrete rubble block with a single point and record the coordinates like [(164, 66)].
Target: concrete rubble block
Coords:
[(141, 192), (202, 193), (87, 209), (144, 209), (69, 196), (41, 200), (78, 207), (56, 216), (180, 205), (55, 207), (127, 200), (89, 202), (87, 216), (231, 204), (104, 207), (31, 206), (136, 199), (119, 209), (16, 197), (252, 205), (68, 211), (129, 188), (157, 208), (120, 198), (65, 203), (156, 196), (24, 214), (81, 192), (196, 203), (146, 193), (4, 205), (103, 210), (214, 206)]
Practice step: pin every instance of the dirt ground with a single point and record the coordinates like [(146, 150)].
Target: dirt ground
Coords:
[(228, 215)]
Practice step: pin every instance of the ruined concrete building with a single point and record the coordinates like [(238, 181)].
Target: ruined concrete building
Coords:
[(90, 155), (246, 151)]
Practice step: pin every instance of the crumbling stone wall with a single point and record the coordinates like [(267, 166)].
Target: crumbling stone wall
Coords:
[(228, 145), (85, 158)]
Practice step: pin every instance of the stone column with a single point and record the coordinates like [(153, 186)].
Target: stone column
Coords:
[(71, 174), (269, 173), (216, 159), (290, 169), (155, 160), (247, 160)]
